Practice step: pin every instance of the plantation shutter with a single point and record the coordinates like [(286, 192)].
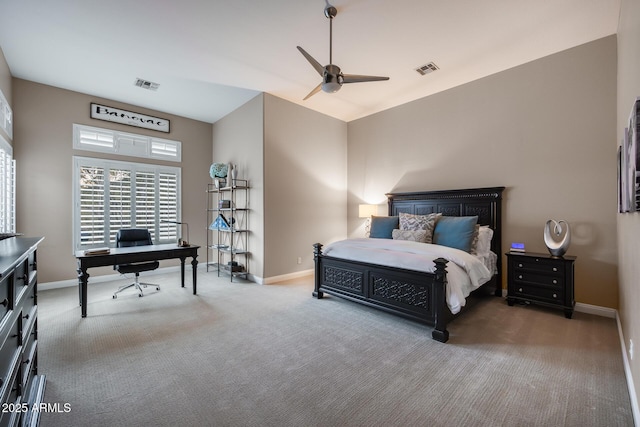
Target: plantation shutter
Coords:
[(111, 195), (7, 192), (119, 201), (146, 201), (92, 229), (168, 205)]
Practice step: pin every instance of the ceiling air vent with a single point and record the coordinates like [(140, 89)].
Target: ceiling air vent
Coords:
[(145, 84), (427, 68)]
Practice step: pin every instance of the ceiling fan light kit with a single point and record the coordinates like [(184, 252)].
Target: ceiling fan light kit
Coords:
[(332, 76)]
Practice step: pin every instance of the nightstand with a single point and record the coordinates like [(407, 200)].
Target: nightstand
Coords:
[(541, 279)]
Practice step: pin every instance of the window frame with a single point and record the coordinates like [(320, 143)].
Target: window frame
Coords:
[(7, 188), (159, 231), (127, 144)]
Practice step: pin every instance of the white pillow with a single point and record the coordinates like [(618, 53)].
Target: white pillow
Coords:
[(485, 234)]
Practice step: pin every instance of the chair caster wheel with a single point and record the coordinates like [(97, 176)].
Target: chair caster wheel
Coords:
[(140, 295), (115, 296), (157, 289)]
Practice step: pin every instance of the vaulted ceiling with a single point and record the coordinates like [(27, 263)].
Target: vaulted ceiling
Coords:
[(210, 57)]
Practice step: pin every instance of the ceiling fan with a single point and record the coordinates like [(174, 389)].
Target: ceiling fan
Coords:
[(332, 77)]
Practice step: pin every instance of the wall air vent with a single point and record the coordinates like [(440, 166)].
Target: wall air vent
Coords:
[(145, 84), (427, 68)]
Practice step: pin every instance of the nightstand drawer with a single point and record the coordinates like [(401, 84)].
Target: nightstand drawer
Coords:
[(539, 264), (555, 296), (538, 279)]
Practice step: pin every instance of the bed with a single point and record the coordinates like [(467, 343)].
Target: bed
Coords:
[(417, 284)]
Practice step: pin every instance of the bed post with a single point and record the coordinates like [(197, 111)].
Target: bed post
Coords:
[(317, 252), (440, 332)]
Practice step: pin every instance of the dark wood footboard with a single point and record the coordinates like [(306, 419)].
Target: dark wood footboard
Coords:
[(416, 295)]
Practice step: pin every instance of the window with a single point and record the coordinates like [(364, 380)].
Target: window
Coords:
[(110, 195), (7, 188), (6, 116), (126, 144)]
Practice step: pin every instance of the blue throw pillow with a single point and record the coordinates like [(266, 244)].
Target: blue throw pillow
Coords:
[(382, 226), (455, 231)]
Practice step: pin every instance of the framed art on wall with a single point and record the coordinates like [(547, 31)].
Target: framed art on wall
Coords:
[(116, 115), (629, 164)]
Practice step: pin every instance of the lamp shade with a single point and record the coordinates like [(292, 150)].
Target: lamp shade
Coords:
[(366, 211)]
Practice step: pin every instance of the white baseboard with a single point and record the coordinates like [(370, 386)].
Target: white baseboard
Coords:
[(163, 270), (107, 278), (282, 278), (596, 309), (635, 408), (588, 308)]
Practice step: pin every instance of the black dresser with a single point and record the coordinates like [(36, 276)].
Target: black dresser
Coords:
[(541, 279), (21, 388)]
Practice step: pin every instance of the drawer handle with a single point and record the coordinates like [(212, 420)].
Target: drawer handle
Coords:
[(555, 268), (26, 362), (537, 260), (5, 302), (520, 265), (555, 282), (520, 276), (520, 290), (26, 316), (25, 278), (555, 295)]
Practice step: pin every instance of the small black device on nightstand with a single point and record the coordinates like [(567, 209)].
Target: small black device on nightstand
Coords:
[(541, 279)]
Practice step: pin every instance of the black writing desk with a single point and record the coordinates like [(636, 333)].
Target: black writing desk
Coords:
[(129, 255)]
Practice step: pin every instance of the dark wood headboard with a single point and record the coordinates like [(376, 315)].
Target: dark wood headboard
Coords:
[(486, 203)]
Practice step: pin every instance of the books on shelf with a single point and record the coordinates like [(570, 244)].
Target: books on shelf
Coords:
[(97, 251)]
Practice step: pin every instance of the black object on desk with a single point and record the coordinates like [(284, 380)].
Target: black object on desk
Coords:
[(542, 279), (130, 255)]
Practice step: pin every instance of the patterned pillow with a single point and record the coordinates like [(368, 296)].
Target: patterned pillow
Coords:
[(411, 235), (419, 222)]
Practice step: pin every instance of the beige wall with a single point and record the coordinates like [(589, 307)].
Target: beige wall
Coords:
[(238, 139), (629, 224), (306, 179), (295, 160), (5, 87), (43, 118), (545, 130)]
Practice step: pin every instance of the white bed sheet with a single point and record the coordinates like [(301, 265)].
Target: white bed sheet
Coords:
[(465, 272)]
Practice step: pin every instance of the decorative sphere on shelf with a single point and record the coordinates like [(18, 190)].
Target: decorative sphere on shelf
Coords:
[(218, 170)]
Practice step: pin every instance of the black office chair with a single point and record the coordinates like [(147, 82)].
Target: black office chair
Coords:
[(128, 237)]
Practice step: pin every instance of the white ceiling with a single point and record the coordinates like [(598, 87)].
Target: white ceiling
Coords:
[(212, 56)]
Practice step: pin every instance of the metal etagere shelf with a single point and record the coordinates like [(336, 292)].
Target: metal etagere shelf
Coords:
[(228, 228)]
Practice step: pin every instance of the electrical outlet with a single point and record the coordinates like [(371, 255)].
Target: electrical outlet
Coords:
[(631, 349), (299, 260)]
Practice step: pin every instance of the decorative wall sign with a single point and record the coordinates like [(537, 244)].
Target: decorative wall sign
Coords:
[(116, 115)]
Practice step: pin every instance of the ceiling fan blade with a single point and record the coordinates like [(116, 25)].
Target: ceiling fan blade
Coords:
[(356, 78), (313, 92), (319, 68)]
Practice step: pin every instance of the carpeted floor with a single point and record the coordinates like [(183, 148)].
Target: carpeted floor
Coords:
[(242, 354)]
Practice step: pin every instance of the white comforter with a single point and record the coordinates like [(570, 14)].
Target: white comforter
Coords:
[(465, 272)]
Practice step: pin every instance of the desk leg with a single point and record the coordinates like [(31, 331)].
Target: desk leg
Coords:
[(182, 270), (83, 278), (194, 268)]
